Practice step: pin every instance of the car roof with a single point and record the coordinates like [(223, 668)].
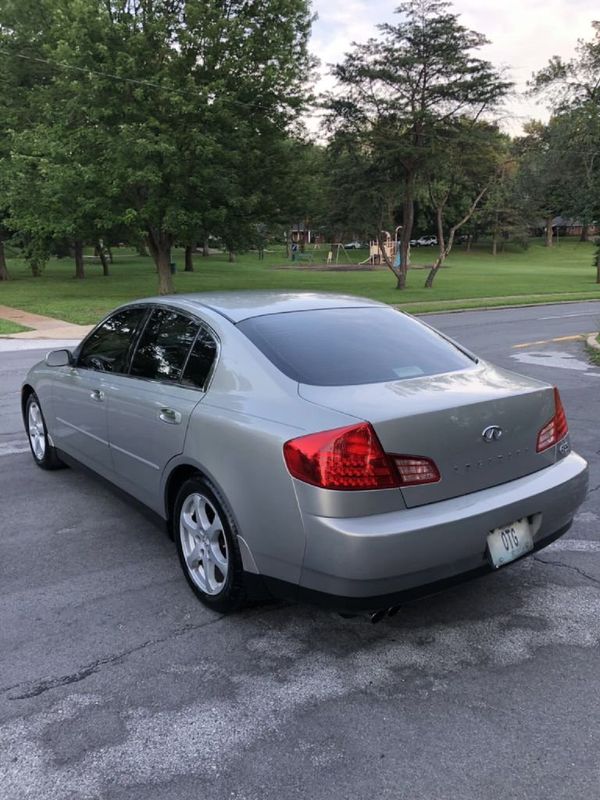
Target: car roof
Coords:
[(238, 306)]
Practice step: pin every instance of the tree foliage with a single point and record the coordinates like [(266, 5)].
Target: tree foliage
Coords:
[(159, 114)]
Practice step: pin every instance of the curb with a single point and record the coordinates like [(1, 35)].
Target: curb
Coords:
[(592, 341)]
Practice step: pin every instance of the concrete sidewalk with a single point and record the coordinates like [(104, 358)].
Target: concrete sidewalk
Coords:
[(42, 327)]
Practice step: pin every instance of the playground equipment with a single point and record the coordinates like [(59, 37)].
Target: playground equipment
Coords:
[(337, 247), (391, 248)]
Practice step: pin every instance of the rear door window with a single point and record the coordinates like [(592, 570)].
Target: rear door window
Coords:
[(164, 346), (201, 360), (350, 346)]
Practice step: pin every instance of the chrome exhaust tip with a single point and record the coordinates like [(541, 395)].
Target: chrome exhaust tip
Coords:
[(377, 616)]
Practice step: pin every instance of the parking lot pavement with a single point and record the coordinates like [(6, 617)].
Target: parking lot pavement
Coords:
[(117, 684)]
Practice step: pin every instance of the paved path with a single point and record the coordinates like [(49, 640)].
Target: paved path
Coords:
[(42, 327), (115, 684)]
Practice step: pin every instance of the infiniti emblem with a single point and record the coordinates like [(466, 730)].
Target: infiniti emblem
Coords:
[(492, 433)]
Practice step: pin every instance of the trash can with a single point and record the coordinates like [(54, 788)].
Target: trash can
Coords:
[(173, 266)]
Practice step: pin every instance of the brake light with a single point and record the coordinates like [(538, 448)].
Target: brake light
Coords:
[(556, 429), (352, 458)]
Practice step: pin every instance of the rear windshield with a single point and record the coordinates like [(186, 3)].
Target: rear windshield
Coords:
[(349, 346)]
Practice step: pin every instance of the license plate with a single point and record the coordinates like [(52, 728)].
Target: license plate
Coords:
[(509, 542)]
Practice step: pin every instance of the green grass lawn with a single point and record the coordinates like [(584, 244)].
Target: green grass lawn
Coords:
[(471, 280), (10, 327)]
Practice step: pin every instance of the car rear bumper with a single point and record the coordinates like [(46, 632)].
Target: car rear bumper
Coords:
[(366, 562)]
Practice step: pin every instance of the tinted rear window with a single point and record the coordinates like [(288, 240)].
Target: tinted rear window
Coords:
[(349, 346)]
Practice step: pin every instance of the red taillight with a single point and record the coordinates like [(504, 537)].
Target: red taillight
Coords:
[(352, 459), (556, 429)]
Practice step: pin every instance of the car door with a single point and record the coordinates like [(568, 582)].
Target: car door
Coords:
[(149, 409), (80, 391)]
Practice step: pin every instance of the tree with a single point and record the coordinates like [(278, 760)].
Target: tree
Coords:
[(176, 95), (398, 92), (541, 177), (573, 83), (459, 176), (572, 91), (505, 215)]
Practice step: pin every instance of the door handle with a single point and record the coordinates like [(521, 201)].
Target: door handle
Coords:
[(97, 395), (169, 415)]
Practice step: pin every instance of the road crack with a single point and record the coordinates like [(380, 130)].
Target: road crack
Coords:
[(32, 689), (578, 570)]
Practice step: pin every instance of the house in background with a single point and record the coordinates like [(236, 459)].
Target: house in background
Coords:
[(564, 226), (302, 234)]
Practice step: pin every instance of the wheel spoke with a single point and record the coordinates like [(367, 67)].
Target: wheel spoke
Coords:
[(194, 557), (208, 565), (201, 506), (214, 530), (217, 556), (189, 525)]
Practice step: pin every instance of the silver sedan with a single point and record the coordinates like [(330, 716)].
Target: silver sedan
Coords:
[(311, 446)]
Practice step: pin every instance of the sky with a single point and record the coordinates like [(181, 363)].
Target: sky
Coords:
[(524, 34)]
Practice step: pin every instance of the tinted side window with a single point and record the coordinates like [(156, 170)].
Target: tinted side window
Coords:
[(107, 348), (201, 360), (164, 346)]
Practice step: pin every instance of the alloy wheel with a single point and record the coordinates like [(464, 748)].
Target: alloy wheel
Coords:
[(36, 431), (204, 543)]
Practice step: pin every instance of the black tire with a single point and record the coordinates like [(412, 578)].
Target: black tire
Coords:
[(49, 458), (233, 595)]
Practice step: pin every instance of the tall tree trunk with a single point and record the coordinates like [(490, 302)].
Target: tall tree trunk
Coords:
[(231, 257), (159, 244), (79, 267), (549, 231), (103, 260), (205, 249), (408, 217), (439, 222), (495, 237), (469, 240), (585, 233), (4, 276), (189, 261)]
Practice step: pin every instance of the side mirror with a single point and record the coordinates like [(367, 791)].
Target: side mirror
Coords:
[(59, 358)]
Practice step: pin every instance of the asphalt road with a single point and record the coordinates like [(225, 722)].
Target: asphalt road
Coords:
[(115, 683)]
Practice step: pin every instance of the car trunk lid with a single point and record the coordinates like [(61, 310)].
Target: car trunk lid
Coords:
[(443, 417)]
